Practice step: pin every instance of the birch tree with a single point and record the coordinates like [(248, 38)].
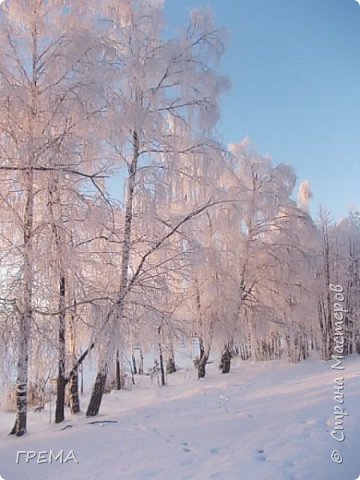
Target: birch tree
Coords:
[(325, 276), (155, 81), (44, 64)]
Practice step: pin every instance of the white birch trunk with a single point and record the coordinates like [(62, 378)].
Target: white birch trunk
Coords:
[(114, 317)]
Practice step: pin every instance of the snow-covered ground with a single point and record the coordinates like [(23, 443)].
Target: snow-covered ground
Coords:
[(263, 421)]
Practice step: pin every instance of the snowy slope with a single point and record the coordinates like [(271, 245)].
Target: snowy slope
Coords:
[(267, 421)]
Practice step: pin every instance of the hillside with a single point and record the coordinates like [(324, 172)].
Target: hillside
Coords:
[(268, 421)]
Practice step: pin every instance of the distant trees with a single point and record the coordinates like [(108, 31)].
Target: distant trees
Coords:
[(339, 265), (348, 241), (266, 253)]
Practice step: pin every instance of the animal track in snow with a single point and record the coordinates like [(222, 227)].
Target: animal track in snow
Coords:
[(214, 450), (260, 455), (186, 447)]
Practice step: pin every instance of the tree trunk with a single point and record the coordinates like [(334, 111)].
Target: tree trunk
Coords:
[(171, 365), (55, 215), (116, 312), (26, 317), (60, 397), (118, 371), (134, 363), (141, 365), (132, 373), (204, 356), (202, 366), (74, 403), (97, 394), (162, 370), (74, 393), (61, 380), (326, 305), (82, 381), (225, 362), (21, 384)]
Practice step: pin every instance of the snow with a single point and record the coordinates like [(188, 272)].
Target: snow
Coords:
[(267, 421)]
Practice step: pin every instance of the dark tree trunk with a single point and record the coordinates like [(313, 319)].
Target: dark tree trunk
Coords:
[(202, 366), (162, 370), (171, 365), (60, 398), (74, 393), (312, 340), (134, 363), (118, 371), (141, 365), (132, 373), (97, 394), (204, 356), (225, 362), (73, 379), (61, 380), (82, 381)]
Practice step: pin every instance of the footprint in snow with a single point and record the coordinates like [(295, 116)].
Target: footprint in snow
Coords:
[(260, 455), (214, 450), (186, 447), (188, 460)]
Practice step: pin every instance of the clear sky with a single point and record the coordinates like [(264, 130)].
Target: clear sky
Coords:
[(294, 66)]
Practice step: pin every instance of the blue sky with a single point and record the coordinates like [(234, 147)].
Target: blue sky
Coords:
[(294, 66)]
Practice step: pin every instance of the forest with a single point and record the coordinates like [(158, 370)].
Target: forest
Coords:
[(128, 226)]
